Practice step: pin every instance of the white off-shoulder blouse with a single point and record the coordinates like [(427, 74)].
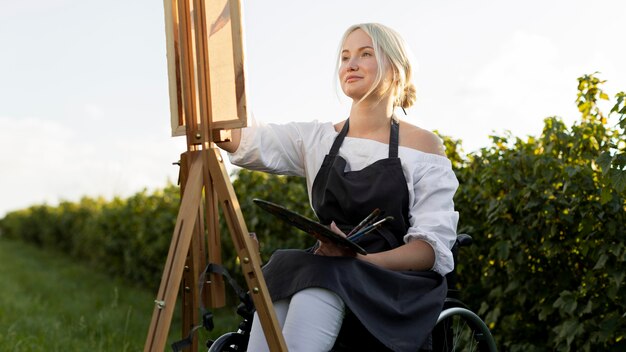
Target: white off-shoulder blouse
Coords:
[(298, 149)]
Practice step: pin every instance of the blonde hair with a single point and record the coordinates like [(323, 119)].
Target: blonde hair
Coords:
[(390, 49)]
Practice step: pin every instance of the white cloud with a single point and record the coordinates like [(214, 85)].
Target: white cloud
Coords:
[(523, 82), (43, 161), (31, 153), (94, 112), (515, 90)]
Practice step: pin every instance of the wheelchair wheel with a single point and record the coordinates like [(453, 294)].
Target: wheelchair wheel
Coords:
[(229, 342), (460, 329)]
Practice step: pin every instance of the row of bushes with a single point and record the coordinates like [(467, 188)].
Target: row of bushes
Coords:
[(131, 237), (547, 215), (124, 237)]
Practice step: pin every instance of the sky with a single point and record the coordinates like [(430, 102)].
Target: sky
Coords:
[(84, 105)]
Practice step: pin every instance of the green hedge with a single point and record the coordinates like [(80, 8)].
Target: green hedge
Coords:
[(131, 237), (124, 237), (547, 215)]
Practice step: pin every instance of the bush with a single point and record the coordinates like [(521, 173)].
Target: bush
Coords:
[(548, 222), (128, 238)]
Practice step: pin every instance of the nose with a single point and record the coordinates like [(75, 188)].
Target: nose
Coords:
[(352, 65)]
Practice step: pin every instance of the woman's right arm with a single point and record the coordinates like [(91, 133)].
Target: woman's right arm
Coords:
[(273, 148), (232, 145)]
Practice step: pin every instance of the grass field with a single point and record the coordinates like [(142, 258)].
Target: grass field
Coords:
[(48, 302)]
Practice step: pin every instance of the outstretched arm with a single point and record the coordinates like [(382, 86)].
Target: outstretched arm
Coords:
[(233, 144)]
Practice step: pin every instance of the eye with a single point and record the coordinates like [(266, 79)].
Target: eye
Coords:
[(367, 54), (344, 58)]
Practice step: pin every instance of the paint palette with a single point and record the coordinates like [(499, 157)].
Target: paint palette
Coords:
[(307, 225)]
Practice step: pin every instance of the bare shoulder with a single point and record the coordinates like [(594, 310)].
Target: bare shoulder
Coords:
[(339, 125), (420, 139)]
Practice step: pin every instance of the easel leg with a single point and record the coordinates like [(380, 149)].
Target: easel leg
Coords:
[(174, 266), (246, 250), (196, 261), (215, 294), (189, 219)]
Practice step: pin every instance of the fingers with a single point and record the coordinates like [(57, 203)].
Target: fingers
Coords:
[(253, 237), (336, 229), (256, 240), (324, 248), (329, 248)]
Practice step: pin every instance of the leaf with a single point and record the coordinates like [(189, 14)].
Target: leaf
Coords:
[(566, 302), (568, 330), (588, 308), (601, 261), (609, 324), (606, 195), (618, 277), (484, 307), (604, 161), (620, 98), (544, 311), (503, 249), (618, 180)]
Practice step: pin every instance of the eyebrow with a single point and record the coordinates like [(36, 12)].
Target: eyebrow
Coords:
[(359, 49)]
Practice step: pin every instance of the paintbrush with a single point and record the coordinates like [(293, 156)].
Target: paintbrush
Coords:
[(369, 228), (364, 222)]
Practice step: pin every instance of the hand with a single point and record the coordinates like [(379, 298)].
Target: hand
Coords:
[(329, 248), (256, 241)]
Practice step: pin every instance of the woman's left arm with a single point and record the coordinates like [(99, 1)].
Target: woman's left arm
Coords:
[(415, 255)]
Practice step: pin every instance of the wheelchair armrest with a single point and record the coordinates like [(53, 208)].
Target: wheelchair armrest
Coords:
[(464, 240)]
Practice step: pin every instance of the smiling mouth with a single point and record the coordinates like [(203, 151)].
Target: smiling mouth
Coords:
[(352, 79)]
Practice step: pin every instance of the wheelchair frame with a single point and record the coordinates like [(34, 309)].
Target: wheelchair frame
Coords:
[(457, 329)]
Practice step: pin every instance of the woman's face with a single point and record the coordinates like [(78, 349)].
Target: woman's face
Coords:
[(358, 68)]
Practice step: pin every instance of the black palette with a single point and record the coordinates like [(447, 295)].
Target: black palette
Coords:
[(307, 225)]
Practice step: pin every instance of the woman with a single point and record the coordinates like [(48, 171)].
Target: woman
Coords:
[(394, 294)]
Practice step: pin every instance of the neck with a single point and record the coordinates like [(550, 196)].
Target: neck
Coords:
[(369, 116)]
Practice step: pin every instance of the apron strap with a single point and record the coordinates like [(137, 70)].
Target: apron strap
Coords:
[(391, 239), (334, 150), (394, 138), (394, 133)]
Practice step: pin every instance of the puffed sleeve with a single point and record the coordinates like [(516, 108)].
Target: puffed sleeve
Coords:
[(432, 215), (275, 148)]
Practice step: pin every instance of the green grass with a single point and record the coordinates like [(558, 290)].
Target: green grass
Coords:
[(48, 302)]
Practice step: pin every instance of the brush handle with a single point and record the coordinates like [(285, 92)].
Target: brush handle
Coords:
[(368, 229), (365, 222)]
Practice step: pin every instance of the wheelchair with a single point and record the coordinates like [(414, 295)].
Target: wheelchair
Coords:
[(457, 328)]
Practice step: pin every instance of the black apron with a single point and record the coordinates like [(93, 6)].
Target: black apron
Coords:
[(387, 310)]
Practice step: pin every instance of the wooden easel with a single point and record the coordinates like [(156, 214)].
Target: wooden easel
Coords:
[(202, 168)]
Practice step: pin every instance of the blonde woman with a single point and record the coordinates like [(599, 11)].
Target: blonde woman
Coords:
[(328, 297)]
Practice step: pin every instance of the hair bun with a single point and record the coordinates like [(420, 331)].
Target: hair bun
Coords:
[(408, 97)]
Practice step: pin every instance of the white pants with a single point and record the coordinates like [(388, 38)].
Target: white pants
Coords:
[(310, 322)]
